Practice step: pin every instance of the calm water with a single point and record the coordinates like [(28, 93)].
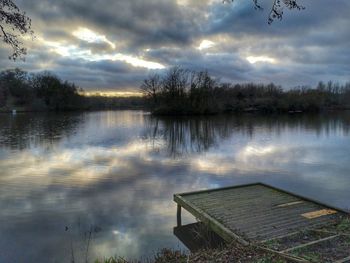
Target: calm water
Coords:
[(105, 180)]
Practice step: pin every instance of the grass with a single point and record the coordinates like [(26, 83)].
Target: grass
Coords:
[(112, 260), (273, 244), (313, 257), (268, 259), (163, 256), (344, 225), (233, 253)]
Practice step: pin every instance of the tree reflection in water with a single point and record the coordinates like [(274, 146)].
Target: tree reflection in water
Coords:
[(188, 135), (22, 131)]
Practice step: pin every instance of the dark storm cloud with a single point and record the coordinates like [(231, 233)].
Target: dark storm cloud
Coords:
[(153, 22), (307, 46)]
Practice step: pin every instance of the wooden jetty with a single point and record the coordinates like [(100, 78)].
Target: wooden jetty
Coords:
[(256, 214)]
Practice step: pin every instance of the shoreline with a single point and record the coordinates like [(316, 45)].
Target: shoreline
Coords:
[(257, 112)]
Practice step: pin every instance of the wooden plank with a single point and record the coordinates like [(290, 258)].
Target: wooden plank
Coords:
[(290, 204), (330, 232), (308, 199), (309, 244), (251, 207), (284, 255), (254, 211), (319, 213), (220, 189), (279, 237), (237, 195), (275, 222), (278, 232), (259, 184), (216, 226), (240, 206), (269, 215)]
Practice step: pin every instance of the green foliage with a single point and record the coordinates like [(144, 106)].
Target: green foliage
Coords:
[(182, 91)]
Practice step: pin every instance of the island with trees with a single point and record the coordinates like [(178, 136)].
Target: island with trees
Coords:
[(185, 92)]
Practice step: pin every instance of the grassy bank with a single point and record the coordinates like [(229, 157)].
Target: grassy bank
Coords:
[(330, 251), (233, 253)]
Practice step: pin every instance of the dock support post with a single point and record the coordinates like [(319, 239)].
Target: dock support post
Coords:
[(179, 215)]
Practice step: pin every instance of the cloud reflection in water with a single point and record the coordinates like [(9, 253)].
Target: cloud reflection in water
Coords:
[(119, 170)]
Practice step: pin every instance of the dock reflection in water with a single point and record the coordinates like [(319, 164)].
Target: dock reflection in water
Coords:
[(197, 236)]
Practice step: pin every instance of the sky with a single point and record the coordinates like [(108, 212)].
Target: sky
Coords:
[(110, 46)]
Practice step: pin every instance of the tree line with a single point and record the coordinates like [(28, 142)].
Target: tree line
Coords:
[(177, 92), (46, 92), (180, 91)]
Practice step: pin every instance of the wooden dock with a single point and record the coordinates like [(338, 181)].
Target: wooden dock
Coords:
[(257, 213)]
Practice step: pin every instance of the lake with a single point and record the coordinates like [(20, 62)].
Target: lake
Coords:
[(99, 184)]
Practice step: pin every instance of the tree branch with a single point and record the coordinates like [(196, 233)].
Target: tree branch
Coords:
[(277, 8), (13, 20)]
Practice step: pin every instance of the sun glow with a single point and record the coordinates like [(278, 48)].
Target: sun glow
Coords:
[(136, 62), (112, 93), (205, 44), (266, 59), (90, 36)]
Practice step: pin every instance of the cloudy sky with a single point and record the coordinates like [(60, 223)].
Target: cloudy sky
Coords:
[(112, 45)]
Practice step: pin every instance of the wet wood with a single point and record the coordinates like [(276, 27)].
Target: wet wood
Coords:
[(254, 213)]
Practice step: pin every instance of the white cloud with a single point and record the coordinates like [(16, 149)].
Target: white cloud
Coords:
[(135, 61), (90, 36), (256, 59), (205, 44), (68, 50)]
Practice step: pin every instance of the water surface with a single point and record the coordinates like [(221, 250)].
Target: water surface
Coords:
[(98, 184)]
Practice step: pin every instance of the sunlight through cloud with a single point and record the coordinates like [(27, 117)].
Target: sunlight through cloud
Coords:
[(136, 62), (205, 44), (65, 50), (90, 36), (253, 59)]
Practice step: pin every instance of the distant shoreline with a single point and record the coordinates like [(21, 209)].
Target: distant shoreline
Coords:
[(328, 110), (66, 111), (296, 112)]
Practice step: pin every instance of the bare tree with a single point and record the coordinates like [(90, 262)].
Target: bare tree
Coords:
[(151, 87), (13, 24), (277, 8)]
